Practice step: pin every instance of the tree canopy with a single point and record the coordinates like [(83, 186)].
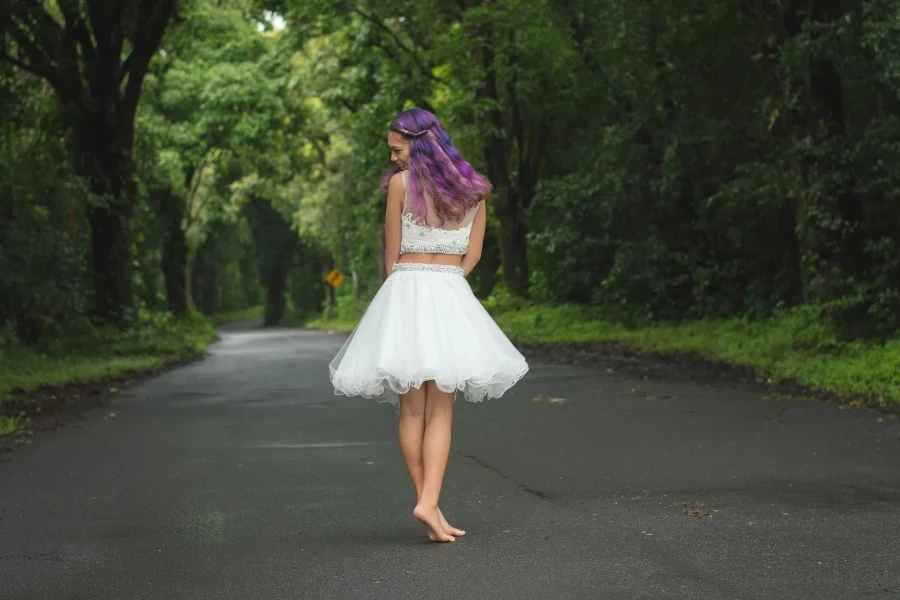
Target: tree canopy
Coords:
[(668, 159)]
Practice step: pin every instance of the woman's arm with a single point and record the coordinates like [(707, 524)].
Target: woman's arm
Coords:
[(476, 240), (392, 215)]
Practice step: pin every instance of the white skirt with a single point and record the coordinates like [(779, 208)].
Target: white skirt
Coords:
[(426, 324)]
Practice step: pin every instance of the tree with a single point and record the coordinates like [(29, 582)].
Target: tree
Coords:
[(213, 97), (95, 56)]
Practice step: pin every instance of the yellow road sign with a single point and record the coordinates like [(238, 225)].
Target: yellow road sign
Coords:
[(334, 278)]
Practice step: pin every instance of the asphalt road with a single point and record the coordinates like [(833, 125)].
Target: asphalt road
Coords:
[(243, 477)]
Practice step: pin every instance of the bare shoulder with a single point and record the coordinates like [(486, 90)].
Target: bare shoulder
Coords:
[(396, 192), (396, 182)]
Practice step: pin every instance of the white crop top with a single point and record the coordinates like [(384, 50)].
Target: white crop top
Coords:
[(416, 235)]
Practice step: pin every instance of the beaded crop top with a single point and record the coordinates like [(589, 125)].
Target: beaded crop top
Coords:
[(418, 236)]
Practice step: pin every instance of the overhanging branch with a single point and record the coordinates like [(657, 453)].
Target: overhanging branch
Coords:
[(75, 26), (155, 13), (412, 53), (26, 67), (38, 62), (41, 40)]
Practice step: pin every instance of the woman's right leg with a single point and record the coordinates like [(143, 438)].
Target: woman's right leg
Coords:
[(435, 452), (412, 432)]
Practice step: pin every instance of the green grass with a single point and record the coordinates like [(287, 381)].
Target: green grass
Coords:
[(337, 324), (10, 424), (343, 317), (29, 371), (248, 314), (795, 345), (151, 342)]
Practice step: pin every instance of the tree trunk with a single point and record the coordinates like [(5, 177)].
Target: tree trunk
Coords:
[(509, 198), (170, 210), (203, 277), (781, 22), (827, 120), (790, 272), (205, 274), (485, 273), (276, 286), (513, 250), (276, 245), (105, 159)]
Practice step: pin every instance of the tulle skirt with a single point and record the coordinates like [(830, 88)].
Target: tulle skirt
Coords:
[(425, 324)]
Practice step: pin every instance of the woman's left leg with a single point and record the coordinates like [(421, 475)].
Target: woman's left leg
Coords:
[(412, 433)]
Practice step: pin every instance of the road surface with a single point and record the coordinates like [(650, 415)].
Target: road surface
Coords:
[(243, 477)]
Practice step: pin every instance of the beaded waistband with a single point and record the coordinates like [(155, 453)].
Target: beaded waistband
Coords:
[(426, 267)]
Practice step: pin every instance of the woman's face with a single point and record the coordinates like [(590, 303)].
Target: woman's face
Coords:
[(399, 149)]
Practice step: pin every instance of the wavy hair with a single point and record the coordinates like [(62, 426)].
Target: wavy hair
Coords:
[(436, 168)]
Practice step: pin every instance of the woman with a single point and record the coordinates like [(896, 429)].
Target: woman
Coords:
[(425, 336)]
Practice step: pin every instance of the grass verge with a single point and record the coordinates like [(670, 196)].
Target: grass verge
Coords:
[(254, 313), (343, 317), (37, 379), (795, 345)]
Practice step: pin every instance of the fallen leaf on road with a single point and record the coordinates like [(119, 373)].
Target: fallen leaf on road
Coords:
[(112, 415), (409, 572), (696, 512), (113, 390), (557, 400), (892, 591)]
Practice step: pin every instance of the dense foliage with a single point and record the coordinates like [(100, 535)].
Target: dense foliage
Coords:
[(672, 159), (677, 160)]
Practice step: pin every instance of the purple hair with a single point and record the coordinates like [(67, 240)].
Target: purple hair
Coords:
[(436, 168)]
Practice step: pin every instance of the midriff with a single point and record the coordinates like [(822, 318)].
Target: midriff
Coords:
[(431, 258)]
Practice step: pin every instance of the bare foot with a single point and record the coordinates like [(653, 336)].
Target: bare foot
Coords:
[(447, 527), (429, 517)]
